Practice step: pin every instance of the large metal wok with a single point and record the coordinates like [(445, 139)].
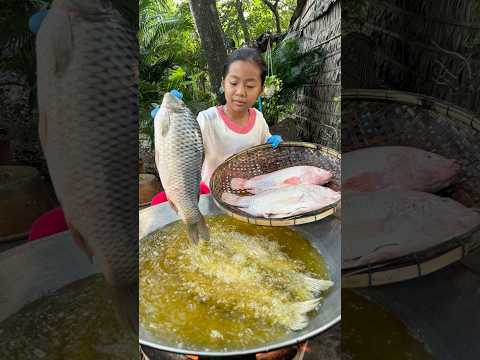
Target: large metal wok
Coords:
[(324, 235), (33, 270)]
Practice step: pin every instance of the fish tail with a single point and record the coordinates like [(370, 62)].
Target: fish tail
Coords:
[(235, 200), (125, 300), (299, 320), (306, 306), (317, 285), (239, 184), (203, 232), (198, 231)]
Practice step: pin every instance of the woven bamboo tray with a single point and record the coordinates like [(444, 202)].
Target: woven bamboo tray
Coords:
[(262, 159), (387, 117)]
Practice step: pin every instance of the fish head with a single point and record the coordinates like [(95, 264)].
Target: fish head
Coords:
[(172, 103), (320, 176), (435, 171)]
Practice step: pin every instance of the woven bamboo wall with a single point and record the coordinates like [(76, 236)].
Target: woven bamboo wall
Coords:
[(428, 46), (318, 118)]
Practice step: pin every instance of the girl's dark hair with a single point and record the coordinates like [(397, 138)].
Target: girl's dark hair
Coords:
[(246, 54)]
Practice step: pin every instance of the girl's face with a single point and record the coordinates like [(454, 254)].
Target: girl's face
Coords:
[(242, 85)]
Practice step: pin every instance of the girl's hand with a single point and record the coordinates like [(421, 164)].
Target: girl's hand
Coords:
[(36, 19), (275, 140), (154, 111)]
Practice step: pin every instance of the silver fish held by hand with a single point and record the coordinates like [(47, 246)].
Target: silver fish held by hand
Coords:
[(179, 157), (87, 71)]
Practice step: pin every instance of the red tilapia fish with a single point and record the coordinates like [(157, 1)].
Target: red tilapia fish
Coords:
[(295, 175), (284, 201), (388, 224), (396, 167)]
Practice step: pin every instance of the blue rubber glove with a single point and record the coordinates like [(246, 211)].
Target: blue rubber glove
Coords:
[(275, 140), (36, 19), (154, 111), (177, 94)]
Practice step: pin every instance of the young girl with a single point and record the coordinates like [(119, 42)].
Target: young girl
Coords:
[(235, 126)]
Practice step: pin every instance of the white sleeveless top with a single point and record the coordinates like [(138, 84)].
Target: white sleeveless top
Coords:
[(222, 137)]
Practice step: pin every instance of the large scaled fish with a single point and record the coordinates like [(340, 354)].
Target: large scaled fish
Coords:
[(294, 175), (396, 167), (388, 224), (87, 71), (179, 157), (284, 201)]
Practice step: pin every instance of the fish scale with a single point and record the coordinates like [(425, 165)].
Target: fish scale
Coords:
[(88, 116)]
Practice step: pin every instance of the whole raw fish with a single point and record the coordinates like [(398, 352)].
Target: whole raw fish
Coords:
[(87, 71), (284, 201), (179, 157), (388, 224), (294, 175), (396, 167)]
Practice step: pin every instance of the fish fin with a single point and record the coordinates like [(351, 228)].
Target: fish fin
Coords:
[(298, 323), (235, 200), (306, 306), (192, 233), (198, 231), (317, 285), (81, 242), (203, 232), (299, 320), (165, 125), (172, 205), (367, 181), (238, 184), (294, 180), (125, 300)]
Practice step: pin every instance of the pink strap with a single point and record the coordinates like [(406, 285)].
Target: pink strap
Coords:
[(47, 224)]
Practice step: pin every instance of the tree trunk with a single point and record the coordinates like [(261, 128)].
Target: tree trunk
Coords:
[(242, 20), (274, 9), (210, 32), (297, 12)]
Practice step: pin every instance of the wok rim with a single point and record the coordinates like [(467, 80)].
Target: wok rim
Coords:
[(246, 351)]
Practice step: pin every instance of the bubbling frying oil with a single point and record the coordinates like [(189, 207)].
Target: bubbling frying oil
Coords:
[(219, 295)]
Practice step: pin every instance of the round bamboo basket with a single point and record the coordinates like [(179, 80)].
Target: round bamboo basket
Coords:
[(263, 159), (388, 117)]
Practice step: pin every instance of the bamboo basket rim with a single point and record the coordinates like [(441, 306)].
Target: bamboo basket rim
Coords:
[(287, 221), (416, 264), (410, 98)]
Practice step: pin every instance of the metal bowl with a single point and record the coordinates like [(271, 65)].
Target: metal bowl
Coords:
[(324, 235), (38, 268)]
